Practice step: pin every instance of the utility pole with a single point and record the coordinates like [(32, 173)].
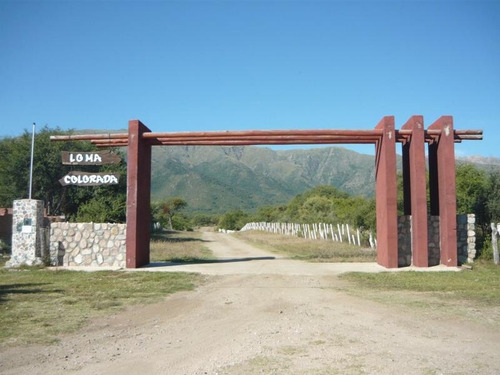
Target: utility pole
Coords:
[(31, 164)]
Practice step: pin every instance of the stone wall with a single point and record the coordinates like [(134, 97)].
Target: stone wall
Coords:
[(28, 228), (434, 241), (404, 241), (87, 244), (466, 238)]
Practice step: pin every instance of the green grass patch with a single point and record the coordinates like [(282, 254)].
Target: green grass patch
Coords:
[(481, 285), (179, 247), (309, 250), (470, 295), (38, 305)]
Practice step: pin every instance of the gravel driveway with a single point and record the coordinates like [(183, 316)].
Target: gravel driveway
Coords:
[(258, 314)]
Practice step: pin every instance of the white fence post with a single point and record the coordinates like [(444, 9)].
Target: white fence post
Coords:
[(321, 231), (494, 241)]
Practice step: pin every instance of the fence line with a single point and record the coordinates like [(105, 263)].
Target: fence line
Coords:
[(313, 231)]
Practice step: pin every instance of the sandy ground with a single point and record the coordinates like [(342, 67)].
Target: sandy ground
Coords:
[(258, 314)]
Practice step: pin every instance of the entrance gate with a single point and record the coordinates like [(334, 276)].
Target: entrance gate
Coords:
[(440, 137)]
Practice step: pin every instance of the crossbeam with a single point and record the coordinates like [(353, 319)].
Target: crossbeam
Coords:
[(264, 137), (440, 137)]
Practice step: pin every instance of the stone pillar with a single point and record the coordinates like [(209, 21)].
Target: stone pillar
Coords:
[(466, 238), (27, 224), (138, 196), (386, 195), (404, 241), (415, 189), (442, 188)]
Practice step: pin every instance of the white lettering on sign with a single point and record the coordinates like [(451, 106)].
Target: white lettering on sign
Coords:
[(90, 179), (88, 158)]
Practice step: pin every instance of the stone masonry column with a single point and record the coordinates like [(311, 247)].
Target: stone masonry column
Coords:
[(27, 222), (386, 195), (442, 188), (138, 196), (415, 196)]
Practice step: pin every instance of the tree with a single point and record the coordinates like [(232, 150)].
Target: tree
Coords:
[(471, 187), (234, 220), (317, 208), (493, 197), (48, 169), (102, 210), (168, 215)]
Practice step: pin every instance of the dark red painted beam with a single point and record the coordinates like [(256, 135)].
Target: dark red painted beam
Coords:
[(138, 196), (250, 133), (443, 189), (263, 137), (386, 195), (414, 186)]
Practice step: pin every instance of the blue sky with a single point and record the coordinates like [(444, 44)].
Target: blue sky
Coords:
[(220, 65)]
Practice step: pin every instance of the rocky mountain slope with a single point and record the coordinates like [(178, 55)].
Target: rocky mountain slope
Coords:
[(215, 179)]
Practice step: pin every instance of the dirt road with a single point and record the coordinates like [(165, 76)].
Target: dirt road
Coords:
[(262, 315)]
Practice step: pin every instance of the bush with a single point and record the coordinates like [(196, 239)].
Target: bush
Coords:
[(204, 220), (234, 220)]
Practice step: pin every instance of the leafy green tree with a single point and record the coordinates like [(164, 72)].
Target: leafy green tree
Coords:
[(234, 220), (477, 193), (493, 197), (471, 187), (102, 210), (293, 210), (167, 213), (317, 208), (48, 169), (203, 220), (322, 204)]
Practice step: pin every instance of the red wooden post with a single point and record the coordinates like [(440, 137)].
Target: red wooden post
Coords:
[(415, 162), (386, 195), (443, 191), (138, 195)]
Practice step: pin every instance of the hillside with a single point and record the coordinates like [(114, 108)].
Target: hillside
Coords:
[(216, 179)]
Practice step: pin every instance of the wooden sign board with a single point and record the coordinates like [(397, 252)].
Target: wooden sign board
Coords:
[(90, 179), (89, 158)]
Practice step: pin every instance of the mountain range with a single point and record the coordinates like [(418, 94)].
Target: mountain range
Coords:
[(215, 179), (219, 178)]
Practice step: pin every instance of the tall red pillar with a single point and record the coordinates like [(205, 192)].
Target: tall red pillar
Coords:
[(414, 183), (386, 195), (138, 195), (442, 186)]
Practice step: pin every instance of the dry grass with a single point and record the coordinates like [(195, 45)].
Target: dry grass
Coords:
[(38, 305), (309, 250), (181, 247), (471, 295)]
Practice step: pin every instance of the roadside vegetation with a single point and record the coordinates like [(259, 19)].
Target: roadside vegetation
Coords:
[(308, 250), (38, 305), (471, 294), (179, 247), (478, 192), (97, 204)]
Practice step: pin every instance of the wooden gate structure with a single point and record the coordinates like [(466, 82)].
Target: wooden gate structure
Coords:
[(440, 137)]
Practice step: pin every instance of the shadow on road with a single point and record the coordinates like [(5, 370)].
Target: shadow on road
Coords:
[(208, 261)]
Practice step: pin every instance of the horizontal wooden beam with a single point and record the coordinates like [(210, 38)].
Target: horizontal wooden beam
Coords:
[(264, 137), (258, 142), (88, 137), (265, 133)]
